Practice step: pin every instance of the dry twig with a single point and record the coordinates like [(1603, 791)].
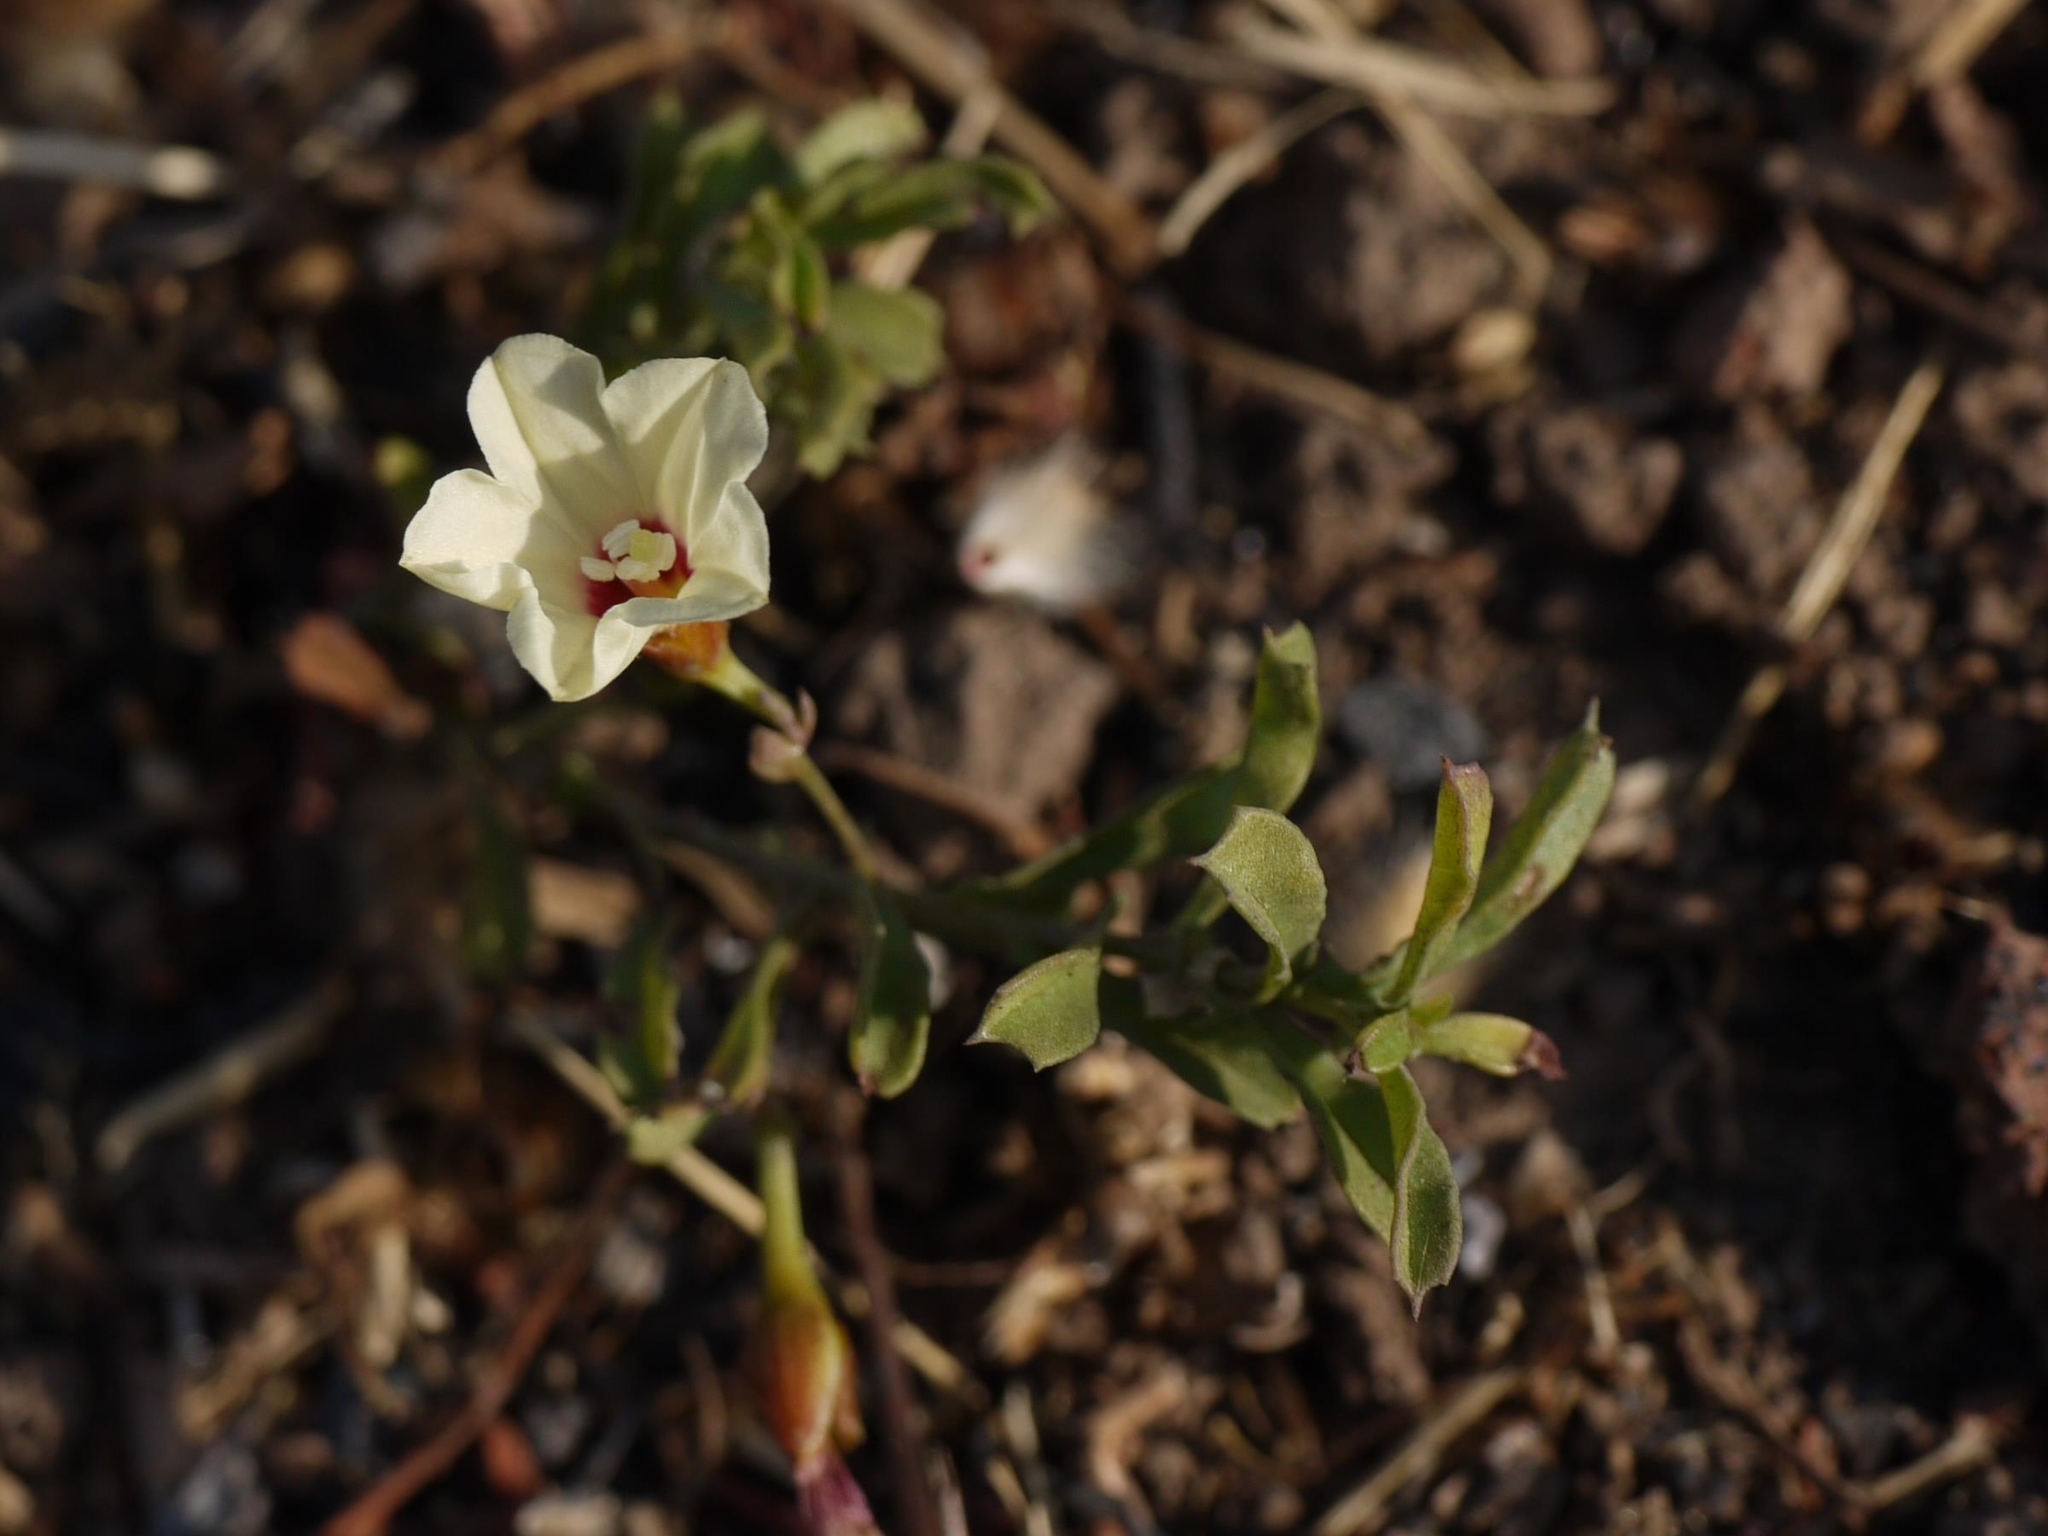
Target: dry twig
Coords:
[(173, 171), (371, 1514), (1364, 1509), (915, 1508), (1019, 833), (1281, 378), (1372, 65), (227, 1077), (1848, 532), (569, 85), (1230, 171)]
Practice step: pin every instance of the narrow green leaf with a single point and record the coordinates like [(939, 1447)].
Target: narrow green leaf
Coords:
[(1048, 1010), (1544, 843), (1287, 722), (877, 129), (497, 916), (900, 332), (1464, 813), (1429, 1222), (1494, 1043), (1223, 1056), (936, 195), (1391, 1165), (744, 1056), (640, 1058), (893, 1024), (1351, 1119), (1177, 822), (1269, 872), (810, 290)]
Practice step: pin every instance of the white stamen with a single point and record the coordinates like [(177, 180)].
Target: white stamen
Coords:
[(619, 539), (636, 570), (598, 570), (655, 549)]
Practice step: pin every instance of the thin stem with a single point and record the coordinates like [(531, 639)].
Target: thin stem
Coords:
[(807, 776), (784, 1255)]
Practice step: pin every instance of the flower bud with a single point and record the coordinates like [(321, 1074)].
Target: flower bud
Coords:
[(803, 1362)]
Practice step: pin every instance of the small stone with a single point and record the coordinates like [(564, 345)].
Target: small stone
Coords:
[(1408, 726)]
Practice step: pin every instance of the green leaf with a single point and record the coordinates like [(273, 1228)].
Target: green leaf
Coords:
[(723, 168), (1392, 1166), (497, 916), (936, 195), (1223, 1056), (1544, 843), (741, 1061), (641, 1058), (1429, 1222), (900, 333), (1269, 872), (1048, 1010), (1287, 722), (1464, 812), (1177, 822), (832, 405), (879, 129), (893, 1023), (1351, 1119), (1388, 1042), (1492, 1042)]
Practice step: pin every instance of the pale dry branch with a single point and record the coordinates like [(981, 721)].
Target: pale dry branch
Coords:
[(1372, 65), (1847, 534), (1364, 1509)]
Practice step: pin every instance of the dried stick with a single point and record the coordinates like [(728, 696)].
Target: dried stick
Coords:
[(1847, 534), (227, 1077), (916, 1511), (1372, 65), (1438, 152), (1963, 35), (1232, 170), (1280, 378), (954, 66), (570, 85), (372, 1513), (731, 1199), (1020, 834), (1365, 1507), (174, 171)]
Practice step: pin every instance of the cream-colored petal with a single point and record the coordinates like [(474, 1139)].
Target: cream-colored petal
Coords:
[(569, 653), (733, 538), (707, 595), (479, 538), (536, 407), (690, 427)]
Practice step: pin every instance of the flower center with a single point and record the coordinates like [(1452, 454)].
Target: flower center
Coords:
[(635, 559)]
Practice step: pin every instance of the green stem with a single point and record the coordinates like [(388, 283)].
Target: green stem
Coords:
[(807, 776), (785, 1256)]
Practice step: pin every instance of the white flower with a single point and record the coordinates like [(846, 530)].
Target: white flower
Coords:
[(611, 511)]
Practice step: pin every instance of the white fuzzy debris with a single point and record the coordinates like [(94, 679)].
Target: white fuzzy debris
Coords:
[(1044, 532)]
